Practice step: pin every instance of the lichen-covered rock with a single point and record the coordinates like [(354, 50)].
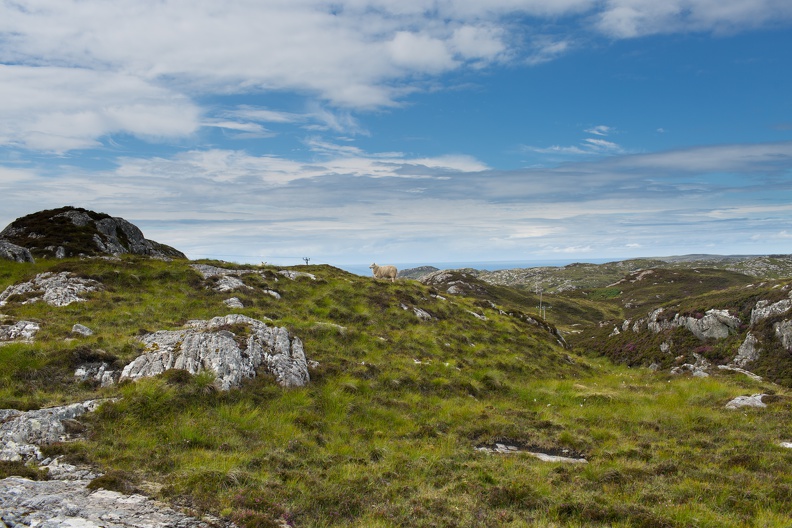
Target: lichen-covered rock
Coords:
[(82, 330), (99, 372), (293, 275), (58, 289), (747, 352), (747, 401), (232, 347), (14, 252), (765, 309), (22, 432), (699, 369), (233, 302), (783, 331), (19, 331)]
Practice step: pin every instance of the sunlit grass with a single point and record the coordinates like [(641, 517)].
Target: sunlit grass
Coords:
[(385, 434)]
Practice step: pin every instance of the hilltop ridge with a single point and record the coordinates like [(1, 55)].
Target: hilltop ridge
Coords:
[(73, 231)]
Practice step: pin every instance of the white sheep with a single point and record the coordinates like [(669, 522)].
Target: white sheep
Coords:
[(384, 272)]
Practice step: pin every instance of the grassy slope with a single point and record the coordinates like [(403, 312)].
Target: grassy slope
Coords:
[(385, 433)]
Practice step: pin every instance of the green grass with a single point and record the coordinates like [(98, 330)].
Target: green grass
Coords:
[(385, 433)]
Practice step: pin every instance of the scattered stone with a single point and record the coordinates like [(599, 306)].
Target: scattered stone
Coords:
[(477, 316), (293, 275), (82, 330), (555, 455), (55, 289), (423, 315), (233, 302), (19, 331), (697, 370), (341, 329), (211, 345), (13, 252), (747, 401), (273, 293), (741, 371), (787, 445), (99, 372), (615, 332)]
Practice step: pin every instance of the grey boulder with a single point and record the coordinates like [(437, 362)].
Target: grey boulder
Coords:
[(214, 346)]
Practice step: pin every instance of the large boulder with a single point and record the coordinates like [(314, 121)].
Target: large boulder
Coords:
[(9, 251), (70, 232), (233, 347)]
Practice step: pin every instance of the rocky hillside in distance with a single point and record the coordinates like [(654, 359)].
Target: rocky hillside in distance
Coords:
[(416, 273), (585, 276), (695, 321), (71, 232)]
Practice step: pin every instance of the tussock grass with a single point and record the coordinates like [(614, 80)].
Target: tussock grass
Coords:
[(385, 433)]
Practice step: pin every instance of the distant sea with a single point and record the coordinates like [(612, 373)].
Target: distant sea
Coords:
[(493, 265)]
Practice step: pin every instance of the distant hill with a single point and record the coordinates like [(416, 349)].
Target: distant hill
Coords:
[(583, 276), (72, 231), (417, 273)]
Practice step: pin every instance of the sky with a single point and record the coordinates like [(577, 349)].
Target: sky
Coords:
[(353, 131)]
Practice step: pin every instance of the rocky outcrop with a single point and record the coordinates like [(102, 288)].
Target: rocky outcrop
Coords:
[(99, 372), (69, 503), (59, 289), (717, 324), (766, 309), (71, 232), (9, 251), (22, 432), (232, 347), (19, 331), (748, 351), (294, 275), (454, 282), (64, 499)]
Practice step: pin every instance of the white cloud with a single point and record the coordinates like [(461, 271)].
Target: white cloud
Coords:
[(349, 204), (636, 18), (76, 71), (600, 130), (59, 109)]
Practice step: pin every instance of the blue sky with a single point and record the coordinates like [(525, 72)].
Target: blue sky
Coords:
[(412, 131)]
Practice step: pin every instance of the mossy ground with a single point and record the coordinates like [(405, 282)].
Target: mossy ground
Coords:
[(385, 433)]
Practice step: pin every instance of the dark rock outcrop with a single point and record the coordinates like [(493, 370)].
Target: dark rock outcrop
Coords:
[(71, 232), (9, 251)]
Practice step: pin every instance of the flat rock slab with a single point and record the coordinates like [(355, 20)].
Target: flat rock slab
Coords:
[(747, 401), (70, 504), (506, 449)]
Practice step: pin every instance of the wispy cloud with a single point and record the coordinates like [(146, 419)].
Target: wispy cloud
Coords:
[(590, 147), (349, 204)]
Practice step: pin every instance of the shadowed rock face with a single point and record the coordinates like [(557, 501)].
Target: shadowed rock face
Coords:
[(70, 231), (13, 252)]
